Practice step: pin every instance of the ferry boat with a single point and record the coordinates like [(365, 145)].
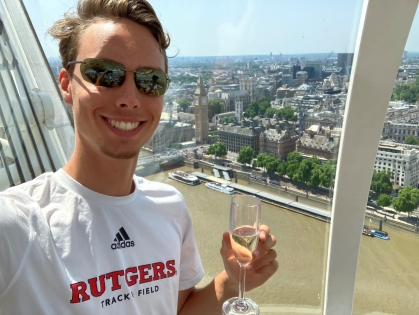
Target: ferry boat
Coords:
[(185, 178), (368, 231), (381, 234), (220, 187)]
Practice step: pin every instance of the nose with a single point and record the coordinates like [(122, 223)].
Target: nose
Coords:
[(128, 94)]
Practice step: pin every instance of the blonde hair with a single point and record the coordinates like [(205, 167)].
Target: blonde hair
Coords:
[(69, 29)]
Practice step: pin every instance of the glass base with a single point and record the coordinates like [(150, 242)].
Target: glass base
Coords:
[(245, 307)]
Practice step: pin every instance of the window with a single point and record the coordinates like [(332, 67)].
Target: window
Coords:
[(306, 265)]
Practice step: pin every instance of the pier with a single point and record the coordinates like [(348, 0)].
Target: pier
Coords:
[(271, 198)]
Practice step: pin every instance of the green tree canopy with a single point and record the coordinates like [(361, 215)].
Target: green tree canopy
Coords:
[(252, 110), (228, 120), (407, 92), (282, 168), (246, 155), (306, 168), (314, 180), (328, 174), (294, 157), (184, 104), (384, 200), (407, 200), (271, 164), (218, 149), (264, 104), (214, 107), (412, 140), (381, 182), (270, 112)]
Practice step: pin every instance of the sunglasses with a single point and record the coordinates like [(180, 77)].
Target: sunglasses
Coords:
[(109, 74)]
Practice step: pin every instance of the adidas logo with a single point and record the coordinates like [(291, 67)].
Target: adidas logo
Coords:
[(122, 240)]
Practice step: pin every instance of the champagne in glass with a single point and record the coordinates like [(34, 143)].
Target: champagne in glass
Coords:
[(244, 233)]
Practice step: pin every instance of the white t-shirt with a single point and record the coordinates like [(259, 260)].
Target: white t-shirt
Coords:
[(65, 249)]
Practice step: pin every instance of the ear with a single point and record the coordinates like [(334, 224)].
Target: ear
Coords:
[(65, 86)]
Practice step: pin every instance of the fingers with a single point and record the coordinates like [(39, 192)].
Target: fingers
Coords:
[(263, 260), (225, 244), (264, 246), (264, 232), (268, 269)]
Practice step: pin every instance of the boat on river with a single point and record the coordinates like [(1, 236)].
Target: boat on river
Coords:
[(220, 187), (185, 178), (381, 234)]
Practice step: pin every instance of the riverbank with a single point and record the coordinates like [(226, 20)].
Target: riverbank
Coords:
[(387, 277)]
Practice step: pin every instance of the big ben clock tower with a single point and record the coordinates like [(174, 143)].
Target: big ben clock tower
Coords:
[(200, 101)]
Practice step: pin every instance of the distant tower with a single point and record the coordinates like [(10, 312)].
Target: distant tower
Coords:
[(238, 108), (201, 112)]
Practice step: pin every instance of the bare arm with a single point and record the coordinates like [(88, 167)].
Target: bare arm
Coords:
[(210, 299)]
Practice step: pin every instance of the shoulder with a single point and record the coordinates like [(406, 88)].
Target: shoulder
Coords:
[(16, 203), (157, 189)]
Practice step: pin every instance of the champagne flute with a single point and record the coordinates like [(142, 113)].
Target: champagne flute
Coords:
[(244, 234)]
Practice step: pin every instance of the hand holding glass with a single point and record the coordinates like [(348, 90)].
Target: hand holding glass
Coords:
[(244, 233)]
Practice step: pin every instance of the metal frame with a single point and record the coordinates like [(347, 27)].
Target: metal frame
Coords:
[(382, 36)]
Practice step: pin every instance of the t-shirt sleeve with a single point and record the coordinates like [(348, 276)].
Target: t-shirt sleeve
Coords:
[(14, 237), (191, 270)]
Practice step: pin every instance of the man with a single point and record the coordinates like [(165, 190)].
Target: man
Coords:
[(93, 238)]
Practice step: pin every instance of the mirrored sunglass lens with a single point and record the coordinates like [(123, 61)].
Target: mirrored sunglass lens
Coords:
[(151, 82), (101, 75)]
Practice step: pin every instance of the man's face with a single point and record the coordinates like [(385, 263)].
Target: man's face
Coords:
[(115, 121)]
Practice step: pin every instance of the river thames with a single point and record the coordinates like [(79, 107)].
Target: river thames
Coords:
[(387, 278)]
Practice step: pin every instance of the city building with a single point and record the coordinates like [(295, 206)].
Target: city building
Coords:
[(237, 136), (401, 160), (278, 138), (345, 61), (168, 133), (321, 142), (200, 103), (400, 130)]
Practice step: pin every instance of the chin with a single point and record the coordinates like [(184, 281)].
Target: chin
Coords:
[(123, 155)]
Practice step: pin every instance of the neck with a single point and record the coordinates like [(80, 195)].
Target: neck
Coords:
[(101, 173)]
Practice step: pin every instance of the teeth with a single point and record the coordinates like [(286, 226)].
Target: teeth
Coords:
[(122, 125)]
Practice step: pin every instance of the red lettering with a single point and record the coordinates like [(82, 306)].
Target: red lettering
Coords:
[(115, 280), (171, 270), (78, 289), (93, 286), (158, 270), (133, 279), (144, 273)]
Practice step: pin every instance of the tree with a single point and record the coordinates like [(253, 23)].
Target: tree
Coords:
[(264, 104), (306, 168), (407, 200), (384, 200), (184, 104), (328, 173), (214, 107), (262, 159), (252, 110), (412, 140), (294, 157), (270, 112), (218, 149), (246, 155), (314, 180), (381, 182), (271, 164), (282, 168)]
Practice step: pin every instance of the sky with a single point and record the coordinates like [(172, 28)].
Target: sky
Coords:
[(240, 27)]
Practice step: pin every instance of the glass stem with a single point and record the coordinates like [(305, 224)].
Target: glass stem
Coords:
[(242, 280)]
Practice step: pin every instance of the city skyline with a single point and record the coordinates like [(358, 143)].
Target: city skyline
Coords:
[(239, 28)]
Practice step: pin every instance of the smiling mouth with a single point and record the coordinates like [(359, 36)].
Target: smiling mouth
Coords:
[(124, 125)]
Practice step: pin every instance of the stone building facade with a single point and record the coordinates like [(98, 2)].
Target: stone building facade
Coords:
[(278, 138), (320, 142)]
